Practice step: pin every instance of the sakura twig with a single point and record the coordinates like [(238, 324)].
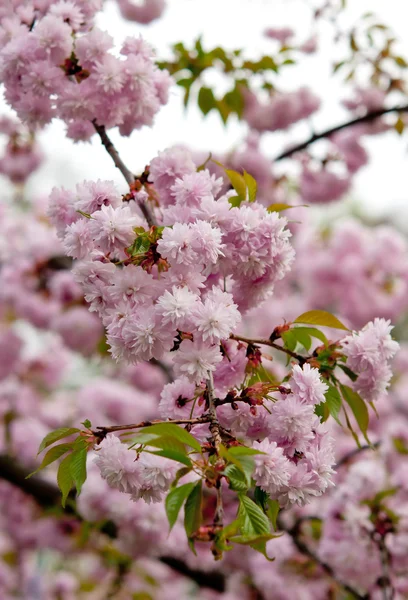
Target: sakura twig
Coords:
[(101, 431), (127, 174), (265, 342), (371, 116), (212, 414)]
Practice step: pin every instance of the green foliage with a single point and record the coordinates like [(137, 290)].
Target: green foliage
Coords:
[(244, 185), (52, 455), (193, 513), (77, 467), (56, 435), (175, 500), (358, 407), (188, 65), (333, 401), (64, 478), (322, 318), (165, 431), (238, 481)]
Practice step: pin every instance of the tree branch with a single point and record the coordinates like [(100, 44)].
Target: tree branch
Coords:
[(350, 455), (113, 153), (266, 342), (127, 174), (212, 414), (295, 534), (48, 495), (367, 118), (104, 430)]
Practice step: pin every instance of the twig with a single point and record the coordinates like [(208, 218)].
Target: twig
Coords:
[(371, 116), (212, 414), (350, 455), (295, 533), (103, 431), (113, 153), (266, 342), (127, 174)]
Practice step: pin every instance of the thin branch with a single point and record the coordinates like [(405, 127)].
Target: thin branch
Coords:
[(295, 534), (266, 342), (350, 455), (48, 495), (103, 431), (212, 414), (127, 174), (371, 116), (113, 153)]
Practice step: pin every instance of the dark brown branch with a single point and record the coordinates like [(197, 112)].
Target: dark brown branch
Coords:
[(113, 153), (295, 534), (127, 174), (367, 118), (350, 455), (103, 431), (266, 342), (48, 495)]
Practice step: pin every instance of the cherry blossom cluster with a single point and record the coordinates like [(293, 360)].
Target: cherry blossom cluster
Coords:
[(369, 353), (22, 155), (55, 63), (280, 110), (191, 284), (371, 275)]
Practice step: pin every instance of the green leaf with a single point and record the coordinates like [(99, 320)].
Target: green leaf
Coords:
[(261, 498), (193, 513), (235, 101), (174, 455), (333, 401), (254, 520), (179, 475), (77, 467), (302, 337), (238, 182), (243, 451), (257, 542), (313, 332), (348, 372), (359, 408), (52, 455), (87, 423), (270, 507), (322, 411), (244, 461), (206, 100), (237, 479), (172, 430), (56, 435), (272, 512), (289, 339), (322, 318), (174, 501), (251, 186), (279, 206), (64, 478)]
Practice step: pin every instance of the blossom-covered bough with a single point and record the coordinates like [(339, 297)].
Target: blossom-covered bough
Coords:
[(182, 276)]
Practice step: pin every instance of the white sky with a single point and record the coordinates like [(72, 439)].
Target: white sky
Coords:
[(380, 187)]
